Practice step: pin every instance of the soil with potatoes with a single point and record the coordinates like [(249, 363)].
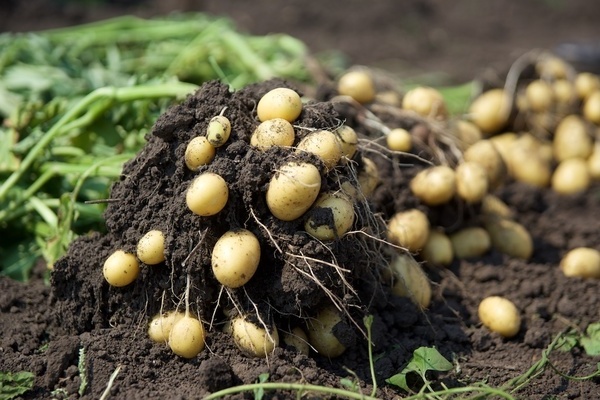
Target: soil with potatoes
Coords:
[(44, 326)]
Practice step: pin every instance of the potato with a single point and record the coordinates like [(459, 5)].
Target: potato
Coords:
[(591, 107), (503, 142), (279, 103), (293, 190), (593, 162), (358, 85), (331, 217), (471, 182), (437, 249), (425, 101), (564, 91), (399, 139), (493, 206), (409, 229), (187, 337), (552, 68), (411, 280), (273, 132), (151, 248), (582, 262), (509, 237), (161, 325), (485, 154), (467, 133), (218, 131), (586, 83), (434, 185), (490, 111), (368, 177), (207, 194), (500, 315), (320, 332), (121, 268), (199, 152), (324, 144), (571, 176), (348, 141), (539, 95), (235, 258), (252, 339), (470, 242), (297, 339), (526, 165), (571, 139)]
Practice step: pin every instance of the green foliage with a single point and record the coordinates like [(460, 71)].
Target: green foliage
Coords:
[(259, 392), (15, 384), (424, 359), (589, 341)]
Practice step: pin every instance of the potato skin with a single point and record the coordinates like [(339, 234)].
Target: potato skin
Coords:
[(434, 185), (187, 336), (235, 258), (253, 340), (409, 229), (293, 190), (411, 280), (320, 332), (500, 315), (509, 237), (279, 103), (121, 268), (583, 262)]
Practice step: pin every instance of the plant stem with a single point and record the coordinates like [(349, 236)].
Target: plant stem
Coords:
[(288, 386)]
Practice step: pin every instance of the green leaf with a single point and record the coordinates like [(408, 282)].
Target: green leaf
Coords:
[(424, 359), (15, 384), (591, 342), (568, 341), (260, 392)]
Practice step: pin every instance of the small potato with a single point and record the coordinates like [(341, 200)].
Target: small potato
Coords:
[(218, 131), (348, 141), (503, 143), (586, 83), (324, 144), (438, 249), (151, 248), (425, 101), (593, 162), (485, 154), (279, 103), (509, 237), (121, 268), (187, 337), (235, 258), (500, 315), (293, 190), (411, 280), (161, 325), (582, 262), (552, 68), (526, 165), (252, 339), (434, 185), (368, 177), (471, 182), (571, 176), (467, 133), (297, 339), (320, 332), (539, 95), (564, 91), (207, 194), (492, 206), (471, 242), (199, 152), (591, 107), (490, 111), (399, 139), (273, 132), (409, 229), (571, 139), (331, 217), (358, 85)]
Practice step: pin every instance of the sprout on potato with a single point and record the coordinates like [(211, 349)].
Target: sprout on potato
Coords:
[(321, 334), (358, 85), (252, 339), (434, 185), (331, 217), (409, 229), (293, 190), (273, 132), (199, 152), (279, 103), (207, 194), (151, 247), (500, 315), (218, 131), (235, 258), (121, 268), (187, 337)]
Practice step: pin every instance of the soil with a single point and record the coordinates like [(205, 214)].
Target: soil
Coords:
[(45, 327)]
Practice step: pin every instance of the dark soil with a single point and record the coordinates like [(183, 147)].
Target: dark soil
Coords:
[(43, 328)]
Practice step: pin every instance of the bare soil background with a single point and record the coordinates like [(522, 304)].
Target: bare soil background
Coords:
[(455, 41)]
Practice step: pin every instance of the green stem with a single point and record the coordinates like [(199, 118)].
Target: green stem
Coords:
[(288, 386), (466, 389), (246, 54)]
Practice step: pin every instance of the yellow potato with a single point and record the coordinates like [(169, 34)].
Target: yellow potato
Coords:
[(409, 229), (493, 206), (187, 337), (509, 237), (571, 139), (583, 262), (471, 182), (591, 107), (467, 133), (571, 176), (586, 83), (358, 85), (348, 141), (471, 242), (161, 325), (218, 131), (437, 249), (411, 280), (331, 217), (273, 132), (151, 247), (279, 103), (207, 194), (484, 153), (434, 185), (539, 95), (399, 139), (199, 152), (252, 339), (235, 258), (490, 111), (293, 190), (593, 162), (297, 339), (320, 332), (121, 268), (425, 101), (324, 144), (368, 177), (500, 315)]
